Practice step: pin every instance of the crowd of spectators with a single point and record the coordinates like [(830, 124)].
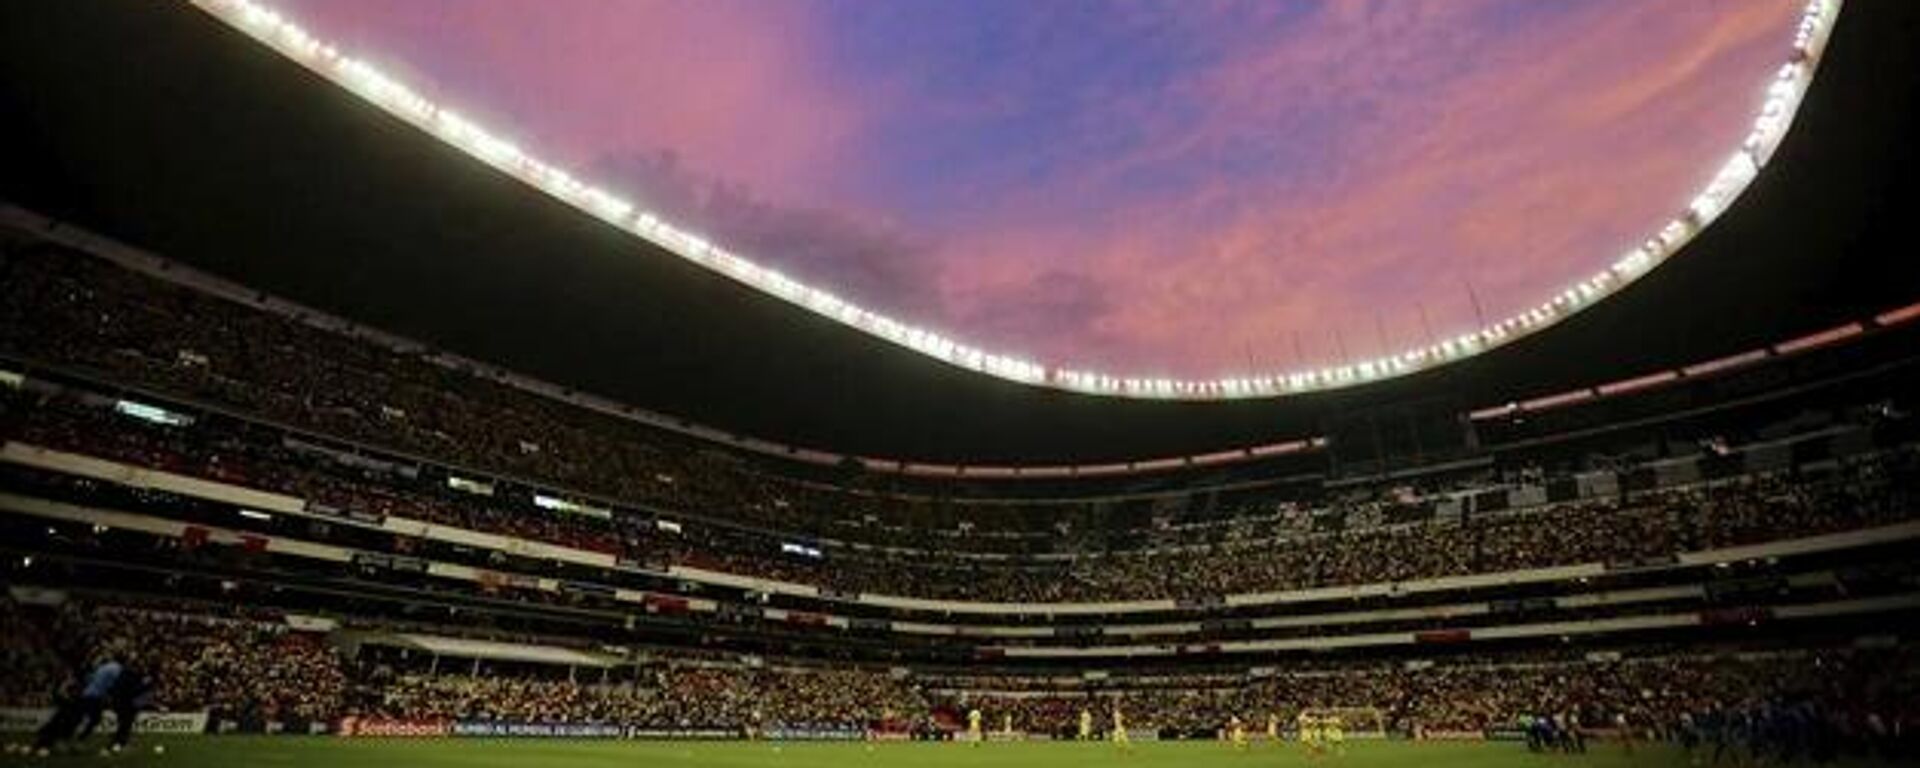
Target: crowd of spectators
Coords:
[(82, 313), (235, 668), (85, 314), (1866, 696), (731, 697), (1749, 510), (1734, 511), (246, 668)]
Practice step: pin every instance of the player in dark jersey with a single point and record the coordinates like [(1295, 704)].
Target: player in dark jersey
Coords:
[(77, 707), (111, 686), (130, 693)]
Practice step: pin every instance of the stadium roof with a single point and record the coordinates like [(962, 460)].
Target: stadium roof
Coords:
[(1347, 181), (250, 166)]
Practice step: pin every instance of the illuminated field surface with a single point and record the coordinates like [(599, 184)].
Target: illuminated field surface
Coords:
[(297, 752)]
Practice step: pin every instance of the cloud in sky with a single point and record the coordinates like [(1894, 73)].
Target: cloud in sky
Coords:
[(1190, 188)]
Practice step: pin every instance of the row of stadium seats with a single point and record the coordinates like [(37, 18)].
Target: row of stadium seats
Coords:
[(1737, 510), (112, 525)]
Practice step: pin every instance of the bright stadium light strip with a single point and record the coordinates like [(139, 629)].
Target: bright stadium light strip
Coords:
[(1782, 101)]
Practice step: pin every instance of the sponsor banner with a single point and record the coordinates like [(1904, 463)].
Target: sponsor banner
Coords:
[(1643, 563), (889, 736), (37, 596), (29, 719), (383, 728), (1453, 735), (695, 734), (588, 588), (318, 509), (1505, 734), (23, 720), (390, 562), (163, 722), (1443, 636), (304, 623), (273, 727), (522, 581), (328, 510), (814, 734), (515, 729), (1521, 605), (372, 518), (741, 611)]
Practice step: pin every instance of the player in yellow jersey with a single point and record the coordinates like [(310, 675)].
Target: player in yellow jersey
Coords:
[(973, 727), (1237, 732), (1006, 724), (1120, 730), (1335, 733), (1273, 727), (1309, 734), (1086, 724)]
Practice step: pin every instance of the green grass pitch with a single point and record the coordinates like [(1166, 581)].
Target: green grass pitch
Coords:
[(315, 752)]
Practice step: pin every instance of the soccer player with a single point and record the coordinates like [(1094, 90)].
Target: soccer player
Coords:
[(1237, 732), (1625, 729), (973, 727), (130, 693), (1086, 724), (1335, 733), (82, 711), (1120, 730), (1273, 727), (1310, 735), (1689, 733)]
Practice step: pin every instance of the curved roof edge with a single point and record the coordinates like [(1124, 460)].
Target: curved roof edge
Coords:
[(1774, 118)]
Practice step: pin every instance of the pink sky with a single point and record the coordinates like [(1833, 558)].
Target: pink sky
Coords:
[(1153, 188)]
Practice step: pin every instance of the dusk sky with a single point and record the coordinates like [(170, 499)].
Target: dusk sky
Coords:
[(1174, 187)]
